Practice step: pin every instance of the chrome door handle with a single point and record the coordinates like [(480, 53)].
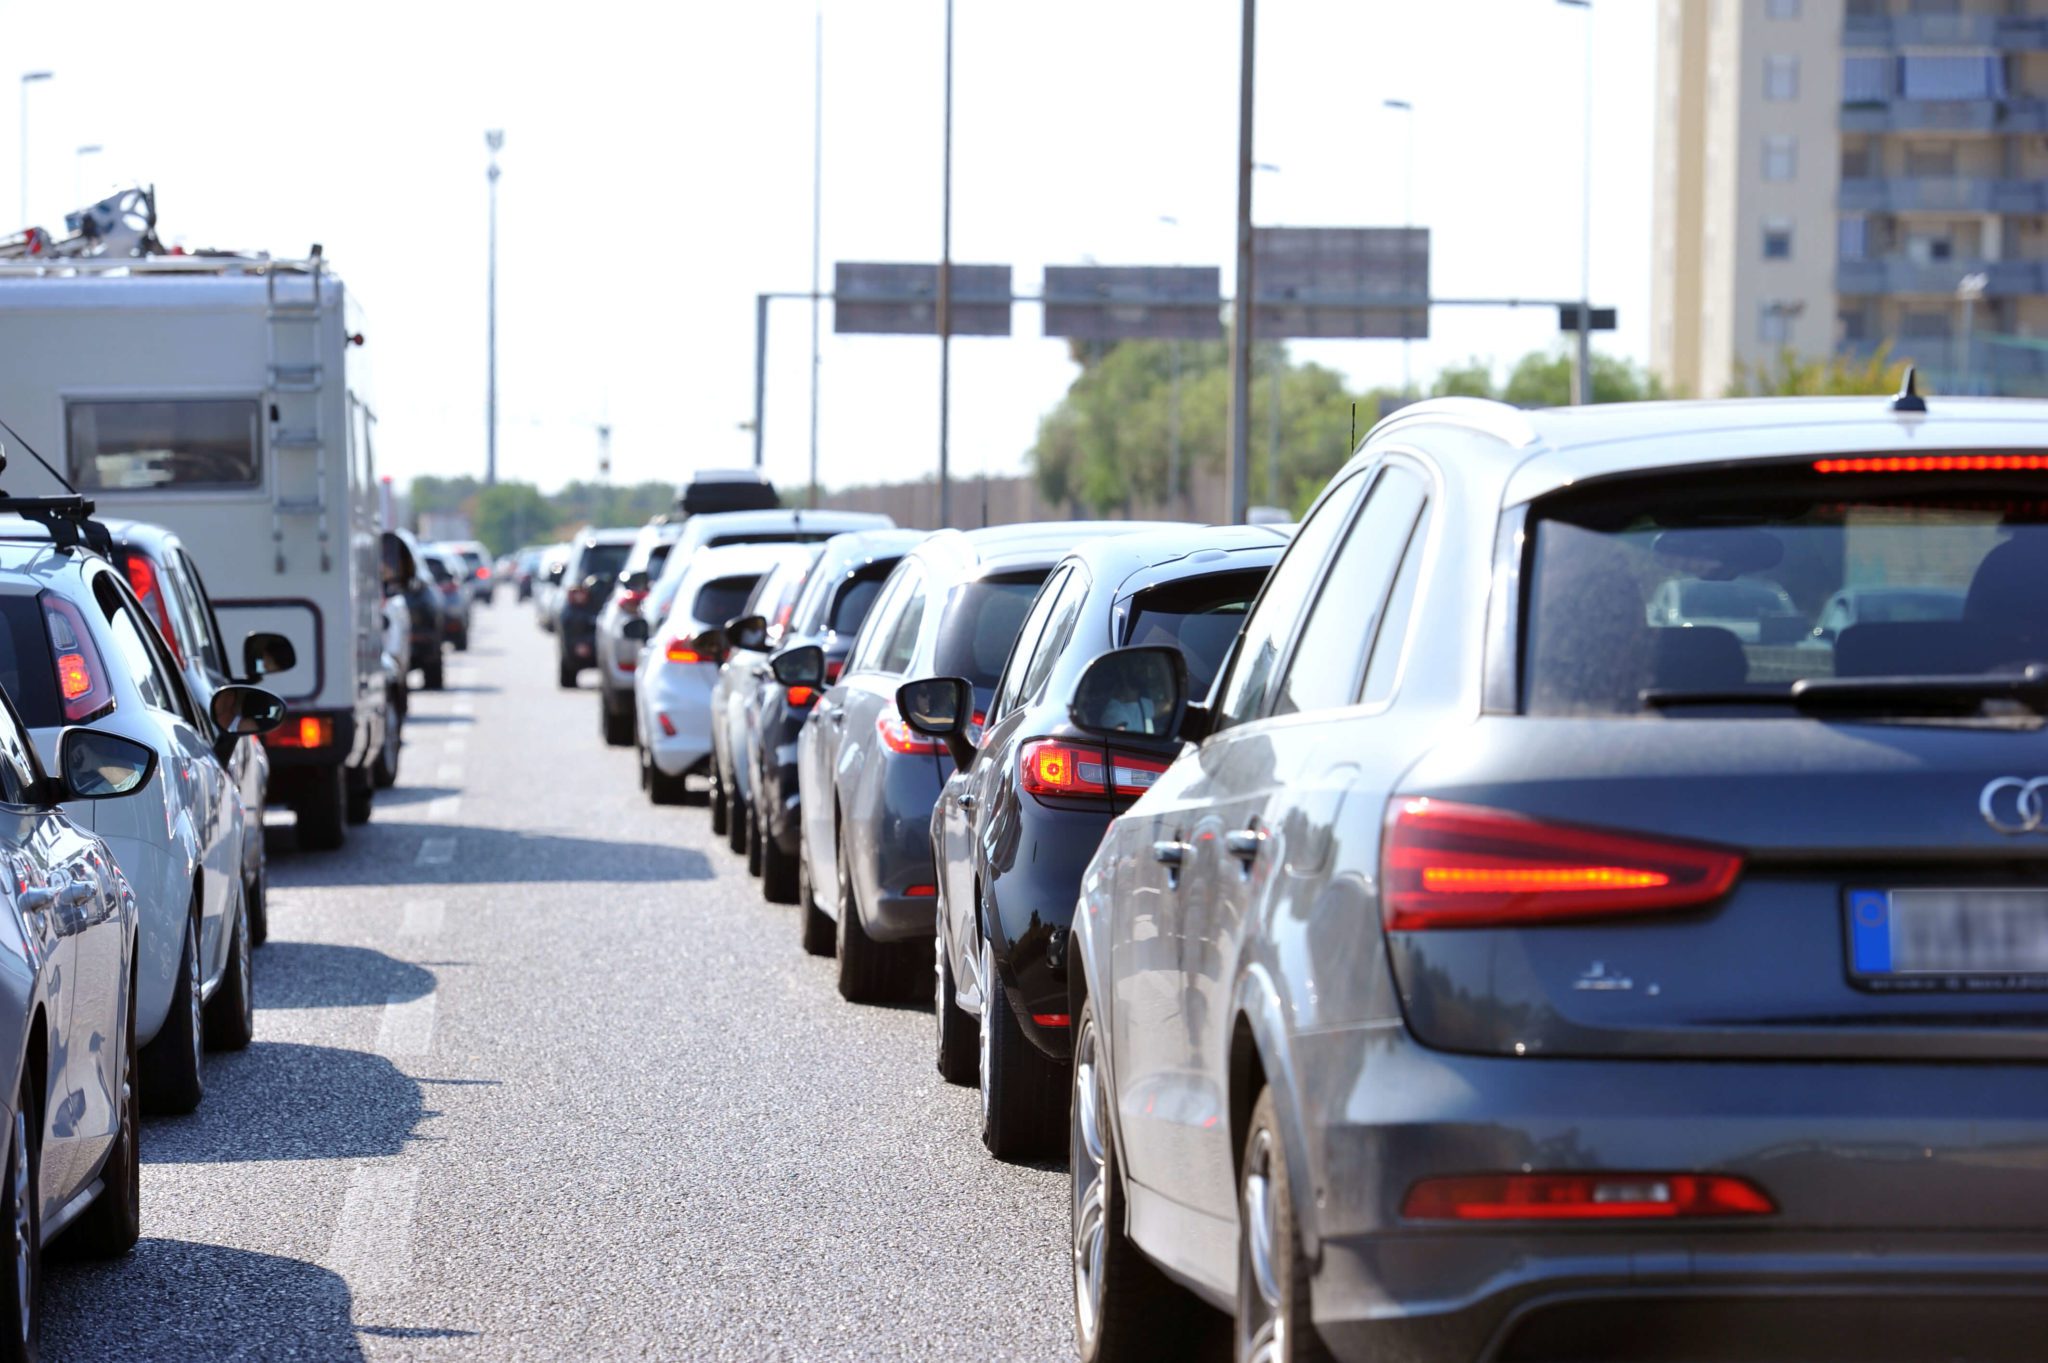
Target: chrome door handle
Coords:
[(968, 801), (1169, 853), (77, 893), (837, 716), (38, 899), (1244, 843)]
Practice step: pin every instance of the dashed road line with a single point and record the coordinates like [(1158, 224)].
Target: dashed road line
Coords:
[(449, 771), (423, 918), (407, 1027), (442, 809), (436, 851), (372, 1245)]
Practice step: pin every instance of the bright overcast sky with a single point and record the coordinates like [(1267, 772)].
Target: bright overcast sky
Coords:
[(657, 175)]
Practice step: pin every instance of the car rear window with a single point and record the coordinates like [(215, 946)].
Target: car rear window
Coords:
[(440, 569), (656, 557), (770, 537), (1663, 594), (603, 560), (27, 673), (722, 599), (1199, 616), (980, 623), (856, 598)]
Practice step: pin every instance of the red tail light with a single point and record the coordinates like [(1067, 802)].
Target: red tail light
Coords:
[(312, 731), (800, 696), (681, 652), (1933, 463), (920, 891), (1584, 1197), (1051, 768), (832, 670), (1461, 866), (1053, 1019), (81, 679), (900, 737), (142, 577), (578, 596), (483, 574), (630, 601)]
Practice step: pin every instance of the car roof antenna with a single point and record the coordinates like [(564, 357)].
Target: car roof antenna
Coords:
[(1909, 399)]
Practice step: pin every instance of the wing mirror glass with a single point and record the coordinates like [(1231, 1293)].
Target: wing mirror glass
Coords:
[(242, 710), (265, 654), (940, 707), (748, 632), (97, 765), (635, 628), (1140, 691), (803, 665), (635, 581)]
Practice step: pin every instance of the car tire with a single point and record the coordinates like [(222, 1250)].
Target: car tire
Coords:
[(21, 1210), (567, 674), (173, 1068), (362, 792), (462, 640), (958, 1032), (735, 819), (256, 896), (661, 788), (1125, 1309), (754, 862), (433, 675), (110, 1227), (384, 766), (614, 721), (322, 810), (869, 971), (231, 1012), (1273, 1315), (716, 800), (1023, 1091), (778, 870), (818, 930)]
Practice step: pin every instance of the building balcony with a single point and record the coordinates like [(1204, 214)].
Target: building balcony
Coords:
[(1946, 115), (1939, 279), (1887, 32), (1959, 194)]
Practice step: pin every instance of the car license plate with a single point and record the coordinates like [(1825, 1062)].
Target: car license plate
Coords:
[(1949, 939)]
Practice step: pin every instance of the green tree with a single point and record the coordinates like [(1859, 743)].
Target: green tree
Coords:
[(1472, 379), (512, 514), (1789, 374), (1544, 379)]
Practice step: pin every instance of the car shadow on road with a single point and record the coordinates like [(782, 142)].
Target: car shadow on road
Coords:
[(324, 975), (282, 1100), (388, 853), (398, 796), (180, 1299)]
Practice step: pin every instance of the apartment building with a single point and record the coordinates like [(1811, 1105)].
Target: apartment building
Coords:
[(1835, 175)]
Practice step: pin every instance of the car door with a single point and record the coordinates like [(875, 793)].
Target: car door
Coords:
[(248, 767), (824, 735), (1184, 872), (870, 698)]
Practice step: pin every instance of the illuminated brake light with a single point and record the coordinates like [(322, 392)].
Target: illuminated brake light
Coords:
[(1933, 463), (1050, 767), (1584, 1197), (81, 679), (800, 696), (832, 670), (1053, 1019), (312, 731), (73, 677), (920, 891), (1461, 866), (141, 574), (899, 737), (680, 652), (630, 601)]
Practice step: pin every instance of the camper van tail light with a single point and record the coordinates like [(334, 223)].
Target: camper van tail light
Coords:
[(142, 577), (680, 651), (81, 678), (832, 670), (1463, 866), (312, 731)]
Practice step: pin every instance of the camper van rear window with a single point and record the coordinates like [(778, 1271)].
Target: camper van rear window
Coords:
[(143, 446)]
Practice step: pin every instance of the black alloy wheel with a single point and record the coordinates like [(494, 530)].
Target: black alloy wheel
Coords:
[(614, 721), (778, 870), (717, 799), (753, 839), (1273, 1317), (432, 673), (256, 894)]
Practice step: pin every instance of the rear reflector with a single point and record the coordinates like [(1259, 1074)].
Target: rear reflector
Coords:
[(1932, 463), (1462, 866), (1053, 1019), (311, 731), (1584, 1197), (680, 652), (668, 726), (920, 891)]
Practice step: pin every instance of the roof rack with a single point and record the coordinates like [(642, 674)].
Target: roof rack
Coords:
[(118, 234)]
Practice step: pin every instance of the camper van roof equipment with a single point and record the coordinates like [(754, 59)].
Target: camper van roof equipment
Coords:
[(119, 234), (727, 490)]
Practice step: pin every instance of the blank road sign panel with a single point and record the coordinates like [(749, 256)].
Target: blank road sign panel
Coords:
[(1341, 281), (902, 299), (1133, 302)]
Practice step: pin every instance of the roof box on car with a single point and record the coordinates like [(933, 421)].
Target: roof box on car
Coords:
[(726, 490)]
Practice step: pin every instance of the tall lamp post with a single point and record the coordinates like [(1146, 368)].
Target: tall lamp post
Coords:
[(1582, 367), (1241, 306), (495, 140), (1407, 111), (946, 288), (28, 78), (817, 228), (78, 170)]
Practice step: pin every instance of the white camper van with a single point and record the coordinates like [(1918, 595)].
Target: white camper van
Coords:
[(224, 396)]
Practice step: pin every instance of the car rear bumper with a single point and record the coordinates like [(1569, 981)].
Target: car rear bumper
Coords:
[(1908, 1195), (682, 695)]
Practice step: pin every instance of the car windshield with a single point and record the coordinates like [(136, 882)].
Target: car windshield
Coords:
[(1199, 617), (981, 622), (722, 599), (1678, 591)]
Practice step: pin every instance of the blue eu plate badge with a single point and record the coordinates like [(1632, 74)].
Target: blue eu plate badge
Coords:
[(1870, 931)]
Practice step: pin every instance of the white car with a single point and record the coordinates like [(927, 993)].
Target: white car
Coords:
[(672, 683)]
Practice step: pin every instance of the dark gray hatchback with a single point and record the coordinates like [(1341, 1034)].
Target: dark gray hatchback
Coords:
[(1557, 944)]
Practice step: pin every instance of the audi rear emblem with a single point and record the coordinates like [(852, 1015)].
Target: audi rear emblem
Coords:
[(2014, 806)]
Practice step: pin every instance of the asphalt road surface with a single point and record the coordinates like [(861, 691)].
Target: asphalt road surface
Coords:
[(538, 1074)]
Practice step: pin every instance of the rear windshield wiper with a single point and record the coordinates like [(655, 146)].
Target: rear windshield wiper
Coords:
[(1875, 695)]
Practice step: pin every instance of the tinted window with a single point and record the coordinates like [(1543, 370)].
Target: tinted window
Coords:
[(856, 598), (27, 673), (1200, 617), (123, 446), (17, 767), (1052, 641), (1012, 684), (656, 558), (1283, 602), (132, 651), (902, 645), (981, 622), (881, 621), (1392, 639), (602, 560), (1615, 573), (722, 599), (439, 568), (1324, 669)]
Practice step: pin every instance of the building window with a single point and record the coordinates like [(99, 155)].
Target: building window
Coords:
[(1854, 241), (1924, 324), (1931, 160), (1869, 80), (1774, 321), (1937, 6), (1938, 77), (1781, 158), (1781, 9), (1857, 163), (1781, 78), (1778, 239), (1857, 325)]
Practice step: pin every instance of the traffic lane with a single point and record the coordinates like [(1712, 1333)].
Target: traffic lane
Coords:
[(636, 1114)]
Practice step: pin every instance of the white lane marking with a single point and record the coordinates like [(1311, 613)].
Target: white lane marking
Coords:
[(407, 1027), (442, 809), (436, 851), (449, 771), (456, 746), (464, 706), (372, 1245), (422, 918)]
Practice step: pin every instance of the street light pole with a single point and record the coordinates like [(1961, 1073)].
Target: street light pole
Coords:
[(1403, 107), (1582, 367), (1241, 307), (946, 288), (78, 171), (817, 227), (494, 139), (28, 78)]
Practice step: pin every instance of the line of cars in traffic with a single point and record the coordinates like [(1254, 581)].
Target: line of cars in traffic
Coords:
[(1451, 932)]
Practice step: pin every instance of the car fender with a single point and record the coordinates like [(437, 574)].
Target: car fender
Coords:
[(1256, 1001)]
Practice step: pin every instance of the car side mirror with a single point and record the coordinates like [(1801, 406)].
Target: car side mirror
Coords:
[(264, 654), (1135, 691), (748, 632), (635, 628), (710, 645), (96, 765), (803, 665), (940, 707), (242, 710)]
